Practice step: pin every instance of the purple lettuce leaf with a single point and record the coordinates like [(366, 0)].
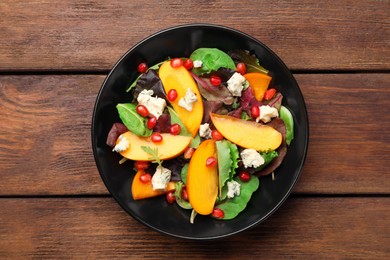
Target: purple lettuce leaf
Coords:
[(211, 92), (150, 81), (163, 124), (116, 130)]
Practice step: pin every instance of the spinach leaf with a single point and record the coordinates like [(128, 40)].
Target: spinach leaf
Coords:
[(251, 61), (212, 59), (132, 120), (183, 173), (232, 207)]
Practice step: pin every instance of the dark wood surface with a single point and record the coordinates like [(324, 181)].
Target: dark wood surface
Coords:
[(54, 56)]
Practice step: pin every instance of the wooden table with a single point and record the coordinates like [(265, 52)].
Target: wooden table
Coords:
[(54, 56)]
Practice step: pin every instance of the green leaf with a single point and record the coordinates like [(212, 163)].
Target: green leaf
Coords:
[(180, 201), (268, 157), (234, 154), (212, 59), (224, 164), (251, 61), (132, 120), (183, 173), (286, 116), (232, 207), (153, 153)]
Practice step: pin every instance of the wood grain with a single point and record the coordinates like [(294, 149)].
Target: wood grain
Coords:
[(45, 143), (308, 34), (94, 228)]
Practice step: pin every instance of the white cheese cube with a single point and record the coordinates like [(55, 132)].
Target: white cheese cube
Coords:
[(205, 131), (155, 105), (122, 145), (235, 84), (161, 178), (234, 189), (251, 158), (188, 100), (197, 64), (266, 113)]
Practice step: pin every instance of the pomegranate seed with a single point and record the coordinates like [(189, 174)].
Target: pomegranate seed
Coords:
[(270, 93), (211, 161), (241, 68), (176, 63), (184, 194), (142, 110), (151, 122), (156, 137), (188, 64), (142, 67), (215, 80), (141, 165), (245, 176), (188, 153), (216, 135), (172, 95), (145, 177), (255, 111), (217, 213), (175, 129), (170, 196)]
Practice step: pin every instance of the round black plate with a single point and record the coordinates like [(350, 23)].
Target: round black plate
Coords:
[(156, 213)]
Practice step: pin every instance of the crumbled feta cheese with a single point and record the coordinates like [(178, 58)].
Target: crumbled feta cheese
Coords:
[(155, 105), (205, 131), (122, 145), (266, 113), (161, 178), (235, 84), (251, 158), (234, 189), (197, 64), (188, 100)]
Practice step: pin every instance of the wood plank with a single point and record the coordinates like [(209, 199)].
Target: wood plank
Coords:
[(45, 143), (341, 228), (307, 34)]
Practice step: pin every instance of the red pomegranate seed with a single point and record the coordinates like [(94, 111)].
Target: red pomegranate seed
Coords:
[(156, 137), (255, 111), (241, 68), (151, 122), (141, 165), (142, 67), (170, 196), (145, 177), (184, 194), (211, 161), (172, 95), (176, 62), (217, 213), (188, 64), (215, 80), (245, 176), (270, 93), (188, 153), (175, 129), (142, 110), (216, 135)]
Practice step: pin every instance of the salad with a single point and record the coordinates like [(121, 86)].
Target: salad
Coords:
[(202, 130)]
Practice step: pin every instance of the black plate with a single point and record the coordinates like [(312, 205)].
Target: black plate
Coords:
[(156, 212)]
